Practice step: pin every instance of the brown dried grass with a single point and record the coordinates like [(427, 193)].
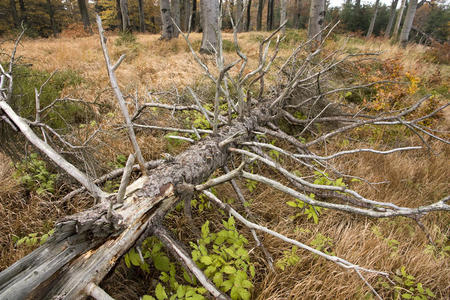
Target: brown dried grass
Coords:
[(414, 179)]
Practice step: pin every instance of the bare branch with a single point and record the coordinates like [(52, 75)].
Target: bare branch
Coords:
[(97, 293)]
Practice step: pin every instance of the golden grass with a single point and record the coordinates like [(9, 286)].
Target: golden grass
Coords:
[(414, 178)]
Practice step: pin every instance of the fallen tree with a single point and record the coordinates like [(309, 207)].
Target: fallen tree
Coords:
[(86, 246)]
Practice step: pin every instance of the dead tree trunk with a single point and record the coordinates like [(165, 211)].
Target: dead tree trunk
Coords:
[(407, 24), (239, 15), (86, 246), (283, 14), (248, 20), (270, 4), (175, 13), (12, 5)]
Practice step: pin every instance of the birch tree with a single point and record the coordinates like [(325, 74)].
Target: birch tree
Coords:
[(283, 14), (168, 30), (259, 15), (175, 14), (126, 24)]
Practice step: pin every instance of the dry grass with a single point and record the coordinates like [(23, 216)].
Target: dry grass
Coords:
[(414, 178)]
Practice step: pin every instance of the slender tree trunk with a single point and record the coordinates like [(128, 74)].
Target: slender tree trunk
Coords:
[(407, 24), (84, 15), (387, 32), (316, 19), (210, 13), (247, 24), (12, 5), (141, 16), (297, 10), (372, 21), (51, 14), (126, 25), (283, 14), (194, 15), (239, 15), (259, 15), (168, 29), (399, 20), (185, 14), (270, 4), (119, 14), (175, 13)]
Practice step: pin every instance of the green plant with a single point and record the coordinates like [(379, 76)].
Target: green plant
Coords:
[(32, 172), (405, 286), (311, 212), (201, 203), (32, 239), (125, 38), (290, 258), (169, 286), (323, 243), (224, 259)]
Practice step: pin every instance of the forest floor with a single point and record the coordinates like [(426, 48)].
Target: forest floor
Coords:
[(411, 179)]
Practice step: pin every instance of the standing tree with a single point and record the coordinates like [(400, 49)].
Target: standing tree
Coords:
[(168, 28), (387, 32), (248, 20), (270, 5), (141, 16), (398, 20), (372, 21), (12, 5), (259, 15), (85, 15), (126, 23), (407, 24), (316, 19), (283, 14), (210, 25), (175, 13), (51, 14), (239, 15), (297, 13)]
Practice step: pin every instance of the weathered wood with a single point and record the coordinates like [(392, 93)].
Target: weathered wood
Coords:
[(87, 245)]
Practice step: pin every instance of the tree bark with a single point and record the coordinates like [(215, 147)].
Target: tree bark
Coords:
[(283, 14), (126, 25), (12, 5), (84, 15), (407, 24), (186, 9), (387, 32), (175, 13), (248, 20), (51, 14), (238, 15), (259, 15), (399, 20), (141, 16), (316, 19), (210, 13), (194, 16), (168, 29), (297, 11), (119, 14), (270, 5), (372, 21)]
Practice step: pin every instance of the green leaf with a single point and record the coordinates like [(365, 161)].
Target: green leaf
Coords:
[(135, 259), (245, 295), (226, 285), (406, 296), (229, 270), (160, 292), (127, 261), (147, 297), (181, 290), (206, 260), (430, 293), (218, 279), (291, 203), (162, 263)]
